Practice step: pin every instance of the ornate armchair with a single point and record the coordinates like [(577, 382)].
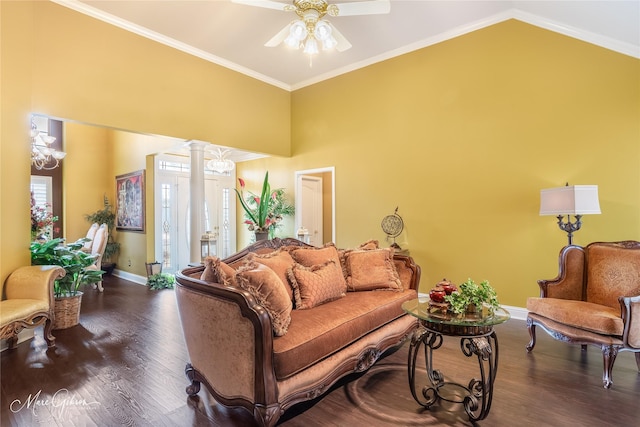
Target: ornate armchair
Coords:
[(98, 246), (594, 300), (27, 301)]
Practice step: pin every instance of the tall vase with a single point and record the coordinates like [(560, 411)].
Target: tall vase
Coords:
[(261, 235)]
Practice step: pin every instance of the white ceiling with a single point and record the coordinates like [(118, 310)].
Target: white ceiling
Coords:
[(233, 35)]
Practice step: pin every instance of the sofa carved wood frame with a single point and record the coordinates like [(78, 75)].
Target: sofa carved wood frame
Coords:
[(573, 281), (267, 404)]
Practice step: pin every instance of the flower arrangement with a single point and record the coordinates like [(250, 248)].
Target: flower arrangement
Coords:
[(42, 219), (265, 212)]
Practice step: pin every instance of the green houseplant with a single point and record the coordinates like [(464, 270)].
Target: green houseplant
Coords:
[(77, 265), (473, 295), (106, 215), (264, 213), (161, 281)]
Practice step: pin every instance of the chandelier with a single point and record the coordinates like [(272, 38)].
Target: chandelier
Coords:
[(220, 163), (310, 32), (43, 156)]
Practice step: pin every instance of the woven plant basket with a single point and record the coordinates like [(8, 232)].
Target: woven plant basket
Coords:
[(67, 311)]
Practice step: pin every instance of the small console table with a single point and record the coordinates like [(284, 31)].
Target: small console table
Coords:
[(477, 337)]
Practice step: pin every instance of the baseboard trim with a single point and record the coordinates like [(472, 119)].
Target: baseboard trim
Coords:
[(140, 280)]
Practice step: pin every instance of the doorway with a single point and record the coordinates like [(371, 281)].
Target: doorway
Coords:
[(315, 204), (172, 239)]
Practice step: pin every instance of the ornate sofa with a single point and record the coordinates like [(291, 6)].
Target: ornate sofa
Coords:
[(594, 300), (27, 301), (247, 356)]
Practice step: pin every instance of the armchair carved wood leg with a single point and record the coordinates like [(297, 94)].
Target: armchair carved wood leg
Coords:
[(531, 327), (48, 336), (609, 353)]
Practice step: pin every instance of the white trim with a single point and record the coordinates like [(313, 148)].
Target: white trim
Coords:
[(140, 280), (589, 37), (23, 335)]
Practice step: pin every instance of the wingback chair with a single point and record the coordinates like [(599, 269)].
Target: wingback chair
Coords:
[(91, 234), (27, 301), (594, 300), (98, 247)]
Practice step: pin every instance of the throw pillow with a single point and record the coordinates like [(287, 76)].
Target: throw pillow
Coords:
[(316, 285), (269, 291), (343, 253), (372, 269), (316, 256), (217, 271), (279, 261)]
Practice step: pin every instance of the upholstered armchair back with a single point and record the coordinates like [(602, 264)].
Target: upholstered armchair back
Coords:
[(91, 233), (613, 270)]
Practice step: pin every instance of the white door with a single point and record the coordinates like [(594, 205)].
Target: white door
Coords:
[(311, 207), (172, 216)]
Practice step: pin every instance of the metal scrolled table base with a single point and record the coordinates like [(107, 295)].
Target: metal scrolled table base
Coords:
[(481, 342)]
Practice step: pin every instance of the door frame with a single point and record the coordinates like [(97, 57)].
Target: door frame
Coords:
[(298, 190)]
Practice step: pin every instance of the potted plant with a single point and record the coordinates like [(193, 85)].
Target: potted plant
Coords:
[(76, 263), (263, 214), (106, 215), (161, 281), (473, 297)]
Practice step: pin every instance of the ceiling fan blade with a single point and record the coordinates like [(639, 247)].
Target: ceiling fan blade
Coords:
[(343, 43), (269, 4), (371, 7), (279, 38)]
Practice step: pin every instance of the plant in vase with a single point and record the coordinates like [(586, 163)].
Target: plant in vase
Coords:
[(472, 295), (76, 263), (264, 213)]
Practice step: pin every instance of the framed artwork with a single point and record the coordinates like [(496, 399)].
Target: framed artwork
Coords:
[(130, 201)]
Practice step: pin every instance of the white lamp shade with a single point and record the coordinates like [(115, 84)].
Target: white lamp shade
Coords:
[(570, 200)]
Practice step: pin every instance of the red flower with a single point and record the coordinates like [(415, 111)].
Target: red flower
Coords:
[(241, 183)]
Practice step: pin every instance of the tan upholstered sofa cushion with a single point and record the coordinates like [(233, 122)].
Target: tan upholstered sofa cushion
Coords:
[(315, 256), (592, 317), (612, 272), (279, 261), (371, 269), (317, 333), (317, 284), (267, 288), (216, 271)]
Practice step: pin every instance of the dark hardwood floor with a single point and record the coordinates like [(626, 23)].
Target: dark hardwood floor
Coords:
[(124, 365)]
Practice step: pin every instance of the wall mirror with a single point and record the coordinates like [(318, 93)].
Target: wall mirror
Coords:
[(316, 204)]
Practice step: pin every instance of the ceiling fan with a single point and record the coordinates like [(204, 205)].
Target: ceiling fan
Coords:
[(311, 29)]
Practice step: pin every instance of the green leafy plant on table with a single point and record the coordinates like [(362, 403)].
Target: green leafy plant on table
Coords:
[(265, 212), (470, 293), (161, 281), (72, 258)]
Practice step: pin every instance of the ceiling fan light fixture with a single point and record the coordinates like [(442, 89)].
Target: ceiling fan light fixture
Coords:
[(311, 46), (297, 33)]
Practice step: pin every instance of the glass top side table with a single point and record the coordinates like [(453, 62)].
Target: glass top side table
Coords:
[(477, 337)]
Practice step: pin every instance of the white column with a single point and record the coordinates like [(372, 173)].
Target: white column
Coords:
[(196, 199)]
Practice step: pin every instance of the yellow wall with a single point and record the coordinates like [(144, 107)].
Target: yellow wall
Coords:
[(60, 63), (463, 135), (86, 175)]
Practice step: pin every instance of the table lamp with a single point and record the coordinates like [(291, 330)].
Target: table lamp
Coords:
[(570, 200)]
